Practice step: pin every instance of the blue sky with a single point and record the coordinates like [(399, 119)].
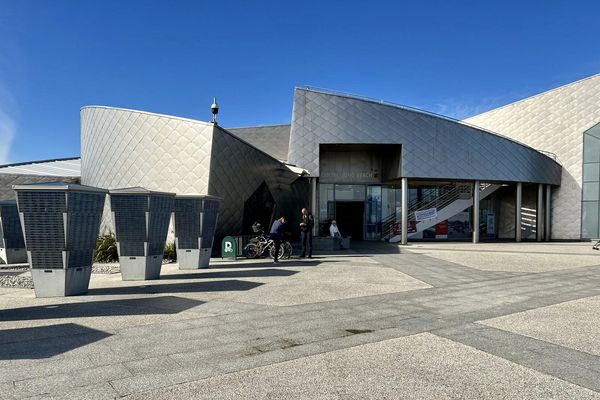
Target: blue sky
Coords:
[(456, 58)]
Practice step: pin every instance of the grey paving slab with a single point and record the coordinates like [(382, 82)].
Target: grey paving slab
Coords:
[(565, 363), (573, 324), (59, 383), (156, 339), (100, 391), (416, 367)]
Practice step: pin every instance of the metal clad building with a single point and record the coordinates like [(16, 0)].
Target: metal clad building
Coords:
[(532, 167)]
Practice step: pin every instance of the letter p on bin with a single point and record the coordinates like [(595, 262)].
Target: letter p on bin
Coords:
[(228, 247)]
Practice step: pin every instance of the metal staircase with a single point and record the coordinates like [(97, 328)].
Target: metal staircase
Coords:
[(453, 200)]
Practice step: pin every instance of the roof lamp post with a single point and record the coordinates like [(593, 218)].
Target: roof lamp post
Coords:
[(214, 108)]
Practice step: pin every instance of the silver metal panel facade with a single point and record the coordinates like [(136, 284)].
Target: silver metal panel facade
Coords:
[(432, 147), (237, 170), (66, 167), (8, 180), (125, 148), (272, 139), (554, 121)]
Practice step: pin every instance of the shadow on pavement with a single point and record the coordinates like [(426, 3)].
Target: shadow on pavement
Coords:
[(46, 341), (207, 274), (104, 308), (294, 262), (375, 248), (183, 287)]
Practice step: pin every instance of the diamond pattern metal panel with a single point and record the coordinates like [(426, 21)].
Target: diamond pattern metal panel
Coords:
[(273, 140), (433, 147), (126, 148), (554, 121), (237, 170), (8, 180)]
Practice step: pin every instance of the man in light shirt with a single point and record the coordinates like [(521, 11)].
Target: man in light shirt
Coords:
[(335, 233)]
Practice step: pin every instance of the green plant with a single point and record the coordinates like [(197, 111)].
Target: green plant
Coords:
[(106, 248), (170, 253)]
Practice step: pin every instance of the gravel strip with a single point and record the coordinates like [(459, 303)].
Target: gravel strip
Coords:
[(17, 281), (113, 268)]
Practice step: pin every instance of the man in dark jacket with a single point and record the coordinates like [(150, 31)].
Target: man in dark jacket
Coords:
[(277, 235), (306, 226)]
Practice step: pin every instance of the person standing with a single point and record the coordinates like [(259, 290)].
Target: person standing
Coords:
[(276, 234), (306, 226)]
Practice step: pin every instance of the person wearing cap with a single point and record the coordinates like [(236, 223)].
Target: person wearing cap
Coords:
[(335, 233)]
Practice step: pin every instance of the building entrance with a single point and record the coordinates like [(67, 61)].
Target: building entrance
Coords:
[(350, 217)]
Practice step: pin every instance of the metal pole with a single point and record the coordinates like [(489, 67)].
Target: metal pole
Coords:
[(539, 216), (548, 210), (313, 205), (519, 200), (404, 211), (476, 212)]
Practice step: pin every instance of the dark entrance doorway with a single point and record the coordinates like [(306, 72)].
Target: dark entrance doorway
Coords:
[(258, 208), (350, 217)]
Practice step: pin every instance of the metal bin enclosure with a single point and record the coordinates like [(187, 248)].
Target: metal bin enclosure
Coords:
[(60, 222), (12, 244), (141, 218), (195, 224)]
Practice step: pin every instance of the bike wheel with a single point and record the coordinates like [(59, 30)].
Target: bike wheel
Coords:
[(281, 252), (287, 250), (251, 250)]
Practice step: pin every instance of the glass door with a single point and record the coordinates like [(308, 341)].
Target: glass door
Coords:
[(373, 213)]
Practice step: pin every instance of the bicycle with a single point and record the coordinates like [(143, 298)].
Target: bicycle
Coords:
[(261, 243)]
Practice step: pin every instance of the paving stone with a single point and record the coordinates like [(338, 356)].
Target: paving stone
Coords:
[(151, 342)]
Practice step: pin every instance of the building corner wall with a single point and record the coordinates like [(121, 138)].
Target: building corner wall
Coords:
[(554, 121)]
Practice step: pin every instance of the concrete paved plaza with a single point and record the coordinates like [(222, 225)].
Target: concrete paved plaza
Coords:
[(424, 321)]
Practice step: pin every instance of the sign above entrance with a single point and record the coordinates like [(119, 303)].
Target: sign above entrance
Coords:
[(424, 215), (350, 167)]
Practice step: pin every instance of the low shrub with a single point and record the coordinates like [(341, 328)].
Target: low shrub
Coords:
[(170, 252), (106, 249)]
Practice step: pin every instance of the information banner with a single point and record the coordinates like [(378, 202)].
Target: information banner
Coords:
[(424, 215)]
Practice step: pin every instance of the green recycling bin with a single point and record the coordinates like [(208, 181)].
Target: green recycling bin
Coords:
[(228, 247)]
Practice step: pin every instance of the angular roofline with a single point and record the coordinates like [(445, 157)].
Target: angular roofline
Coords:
[(283, 163), (139, 190), (187, 120), (148, 113), (58, 186), (548, 154), (537, 94), (260, 126), (39, 162), (198, 196)]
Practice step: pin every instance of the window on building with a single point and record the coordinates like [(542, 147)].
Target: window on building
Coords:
[(590, 199)]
